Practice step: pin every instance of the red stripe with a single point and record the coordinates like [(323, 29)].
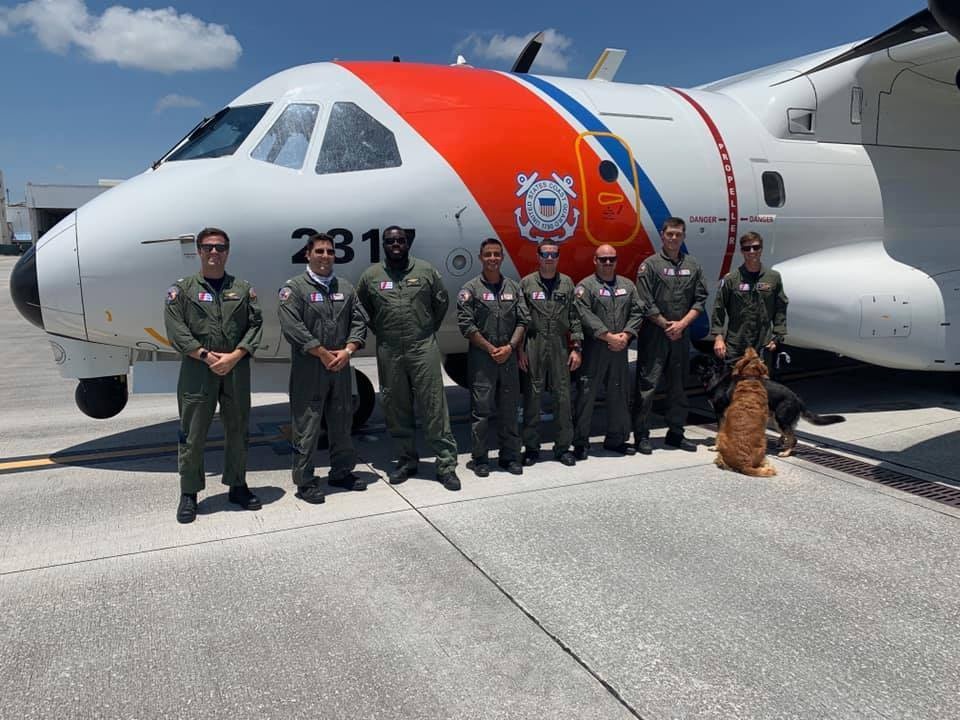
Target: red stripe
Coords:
[(732, 209), (490, 129)]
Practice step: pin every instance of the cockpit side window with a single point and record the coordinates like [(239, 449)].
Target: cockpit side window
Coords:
[(356, 141), (286, 142), (222, 135)]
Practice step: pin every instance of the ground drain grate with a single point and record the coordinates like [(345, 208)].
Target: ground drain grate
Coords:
[(945, 494)]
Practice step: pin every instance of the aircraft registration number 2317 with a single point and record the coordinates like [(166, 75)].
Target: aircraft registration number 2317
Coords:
[(343, 243)]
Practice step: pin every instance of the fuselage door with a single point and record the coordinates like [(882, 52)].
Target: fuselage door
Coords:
[(610, 188)]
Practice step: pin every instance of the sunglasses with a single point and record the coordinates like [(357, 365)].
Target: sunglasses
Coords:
[(751, 248), (395, 241), (220, 248), (549, 255), (324, 251), (606, 259)]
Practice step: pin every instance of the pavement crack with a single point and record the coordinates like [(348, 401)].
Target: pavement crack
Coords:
[(570, 651)]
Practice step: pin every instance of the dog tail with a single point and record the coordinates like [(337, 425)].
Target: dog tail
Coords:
[(812, 417)]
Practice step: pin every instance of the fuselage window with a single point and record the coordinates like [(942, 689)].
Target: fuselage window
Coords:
[(355, 141), (286, 142), (774, 194), (222, 135)]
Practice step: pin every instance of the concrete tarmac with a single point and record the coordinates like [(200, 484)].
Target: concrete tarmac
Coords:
[(652, 587)]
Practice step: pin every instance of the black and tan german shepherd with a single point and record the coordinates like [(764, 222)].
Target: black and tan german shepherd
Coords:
[(786, 407)]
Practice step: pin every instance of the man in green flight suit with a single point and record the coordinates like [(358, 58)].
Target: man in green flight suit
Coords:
[(405, 300), (324, 322), (492, 315), (672, 287), (553, 347), (611, 313), (751, 307), (213, 320)]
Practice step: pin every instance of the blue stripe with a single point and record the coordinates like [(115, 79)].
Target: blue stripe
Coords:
[(656, 207)]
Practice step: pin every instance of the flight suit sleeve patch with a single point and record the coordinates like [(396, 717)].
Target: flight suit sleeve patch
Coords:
[(172, 292), (252, 294), (285, 294), (643, 268), (464, 296), (579, 292)]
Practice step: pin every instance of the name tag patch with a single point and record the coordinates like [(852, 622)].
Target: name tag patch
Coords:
[(316, 297), (413, 281), (683, 271), (619, 292), (204, 297), (538, 295), (763, 286), (386, 284), (337, 297), (506, 296)]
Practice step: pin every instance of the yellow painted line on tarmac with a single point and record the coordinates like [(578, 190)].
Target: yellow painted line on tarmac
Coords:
[(41, 461)]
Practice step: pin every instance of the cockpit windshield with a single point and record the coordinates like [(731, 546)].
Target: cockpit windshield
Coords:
[(221, 135)]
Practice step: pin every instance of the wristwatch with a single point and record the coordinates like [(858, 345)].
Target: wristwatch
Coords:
[(349, 351), (203, 354)]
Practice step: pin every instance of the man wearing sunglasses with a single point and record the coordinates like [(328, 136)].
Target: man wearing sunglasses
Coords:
[(611, 312), (406, 301), (553, 347), (672, 287), (325, 324), (751, 307), (213, 320), (492, 315)]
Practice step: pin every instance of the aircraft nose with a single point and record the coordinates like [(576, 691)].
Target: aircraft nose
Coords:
[(25, 289)]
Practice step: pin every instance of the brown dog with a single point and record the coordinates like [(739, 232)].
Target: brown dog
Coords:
[(742, 440)]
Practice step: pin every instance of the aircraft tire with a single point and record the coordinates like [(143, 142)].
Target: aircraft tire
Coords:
[(366, 398), (455, 365), (103, 397)]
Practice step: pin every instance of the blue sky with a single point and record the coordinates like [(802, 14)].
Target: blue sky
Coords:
[(95, 90)]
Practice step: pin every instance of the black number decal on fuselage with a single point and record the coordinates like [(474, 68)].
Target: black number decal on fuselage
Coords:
[(343, 243)]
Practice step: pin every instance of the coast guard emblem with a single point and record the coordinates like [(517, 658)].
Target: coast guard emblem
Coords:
[(545, 210)]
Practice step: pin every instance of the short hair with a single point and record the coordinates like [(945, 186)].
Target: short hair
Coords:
[(314, 239), (490, 241), (211, 232), (754, 236), (393, 228), (673, 222), (548, 241)]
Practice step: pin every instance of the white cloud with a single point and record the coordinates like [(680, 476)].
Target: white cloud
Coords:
[(161, 40), (175, 101), (552, 56)]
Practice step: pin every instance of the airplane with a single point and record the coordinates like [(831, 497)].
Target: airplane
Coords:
[(844, 161)]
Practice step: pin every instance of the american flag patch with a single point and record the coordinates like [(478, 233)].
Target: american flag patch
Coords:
[(744, 286), (669, 271), (538, 295), (605, 292), (386, 284), (316, 297), (488, 296), (205, 297)]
